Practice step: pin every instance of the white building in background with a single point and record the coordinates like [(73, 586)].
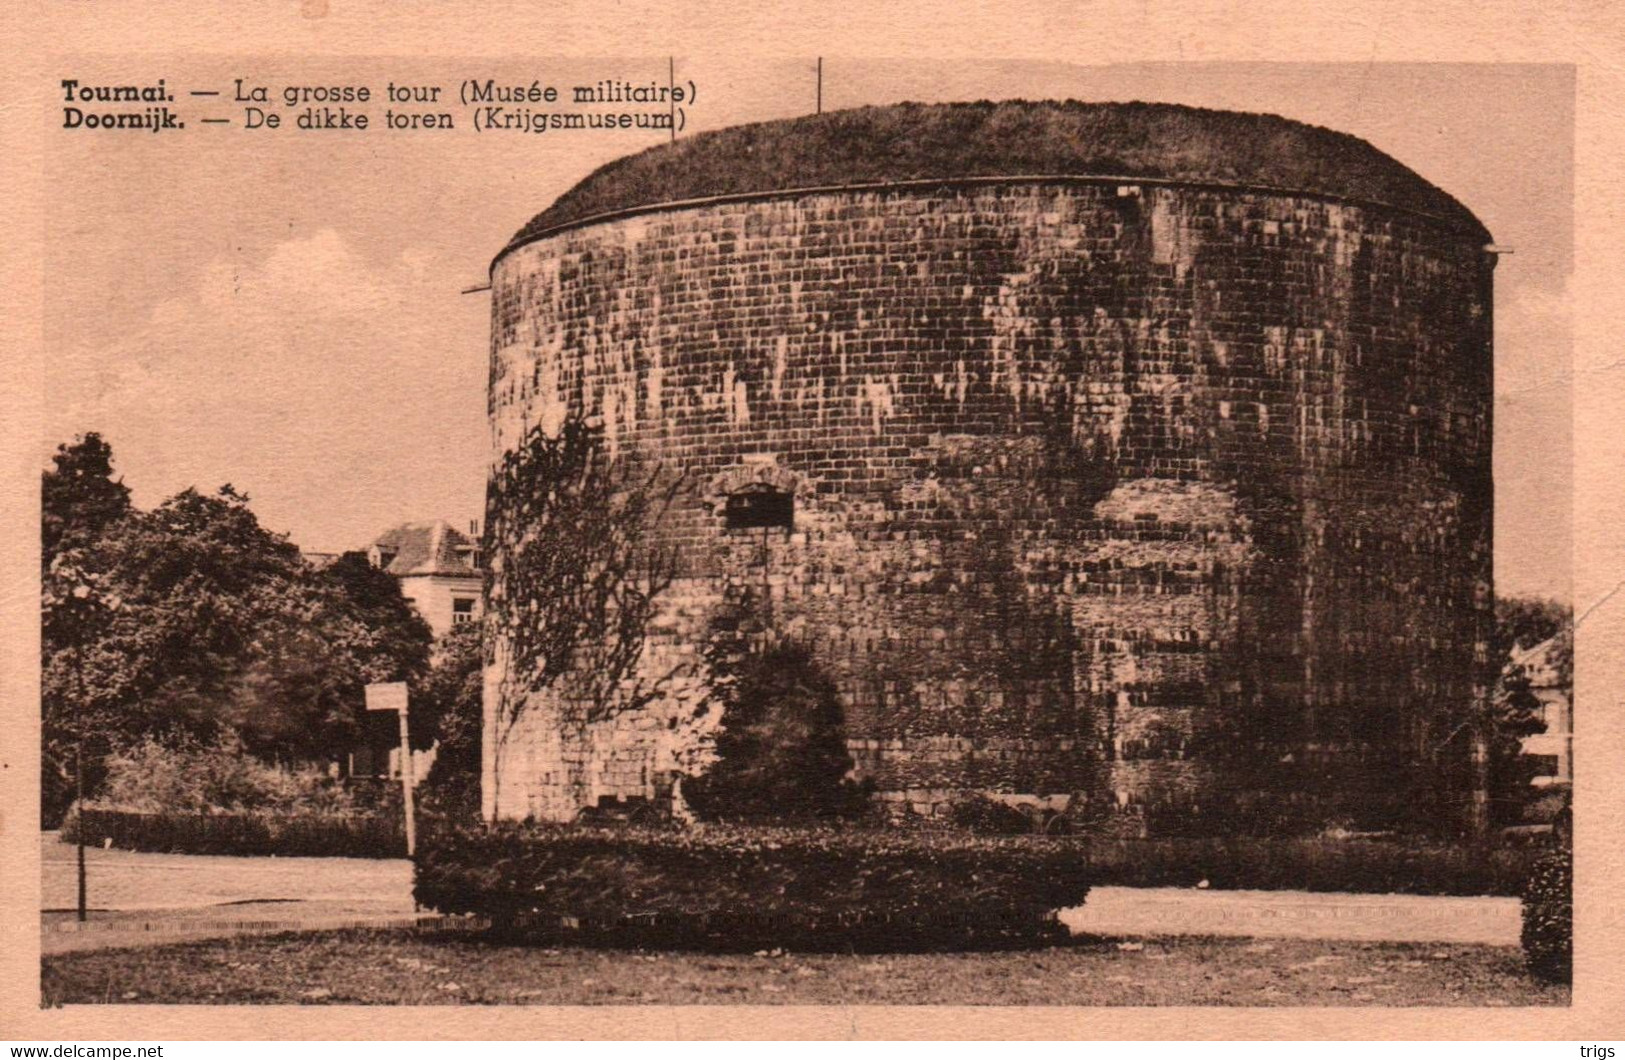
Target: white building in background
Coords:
[(439, 569), (1553, 750)]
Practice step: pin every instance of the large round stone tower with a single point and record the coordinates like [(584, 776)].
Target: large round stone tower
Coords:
[(1131, 454)]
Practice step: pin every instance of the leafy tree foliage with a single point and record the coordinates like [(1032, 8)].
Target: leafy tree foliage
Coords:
[(1522, 622), (401, 640), (78, 674), (79, 497), (395, 643), (448, 705), (223, 626), (1525, 621), (1515, 714), (191, 622)]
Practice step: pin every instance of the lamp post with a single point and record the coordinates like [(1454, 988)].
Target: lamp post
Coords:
[(80, 605)]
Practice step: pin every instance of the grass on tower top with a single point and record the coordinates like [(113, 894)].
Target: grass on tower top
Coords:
[(915, 141)]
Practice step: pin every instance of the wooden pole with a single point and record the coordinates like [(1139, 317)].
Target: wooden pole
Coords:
[(406, 784), (79, 803)]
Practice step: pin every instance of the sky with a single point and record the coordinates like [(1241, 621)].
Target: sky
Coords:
[(284, 311)]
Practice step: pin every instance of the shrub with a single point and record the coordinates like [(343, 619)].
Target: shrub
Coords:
[(781, 754), (1363, 866), (285, 835), (1548, 918), (449, 791), (1545, 806), (377, 796), (982, 815), (186, 777), (731, 886)]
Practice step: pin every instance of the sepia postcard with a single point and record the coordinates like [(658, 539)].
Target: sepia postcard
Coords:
[(731, 526)]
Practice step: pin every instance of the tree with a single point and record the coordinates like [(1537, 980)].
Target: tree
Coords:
[(1522, 624), (1525, 621), (396, 642), (79, 500), (192, 622), (208, 595), (220, 627), (77, 607), (79, 497), (400, 640), (282, 651), (1515, 714), (1481, 748), (449, 706)]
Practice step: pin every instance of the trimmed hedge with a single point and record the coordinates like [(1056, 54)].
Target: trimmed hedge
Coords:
[(1360, 866), (1548, 918), (285, 835), (733, 887)]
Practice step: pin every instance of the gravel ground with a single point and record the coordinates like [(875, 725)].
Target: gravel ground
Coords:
[(126, 880), (144, 899)]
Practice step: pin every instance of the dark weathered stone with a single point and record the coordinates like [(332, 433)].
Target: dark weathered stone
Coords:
[(1167, 494)]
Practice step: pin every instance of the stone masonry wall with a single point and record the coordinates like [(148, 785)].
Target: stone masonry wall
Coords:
[(1160, 496)]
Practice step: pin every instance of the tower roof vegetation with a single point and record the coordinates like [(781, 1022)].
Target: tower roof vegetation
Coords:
[(922, 142)]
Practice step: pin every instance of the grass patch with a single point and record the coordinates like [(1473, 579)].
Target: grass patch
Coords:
[(430, 968)]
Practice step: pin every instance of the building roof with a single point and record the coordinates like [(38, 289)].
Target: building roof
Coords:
[(428, 548), (1549, 664), (916, 141)]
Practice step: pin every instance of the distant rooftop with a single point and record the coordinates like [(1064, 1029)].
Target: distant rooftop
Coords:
[(917, 141), (434, 547), (1549, 663)]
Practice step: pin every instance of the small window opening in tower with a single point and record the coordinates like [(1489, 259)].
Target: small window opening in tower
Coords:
[(759, 506)]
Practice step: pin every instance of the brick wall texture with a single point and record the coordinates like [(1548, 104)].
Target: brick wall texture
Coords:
[(1162, 497)]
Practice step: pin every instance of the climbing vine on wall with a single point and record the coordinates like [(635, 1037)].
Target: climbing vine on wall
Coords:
[(574, 583)]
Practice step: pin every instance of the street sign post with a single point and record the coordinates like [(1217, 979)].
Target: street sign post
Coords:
[(391, 695)]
